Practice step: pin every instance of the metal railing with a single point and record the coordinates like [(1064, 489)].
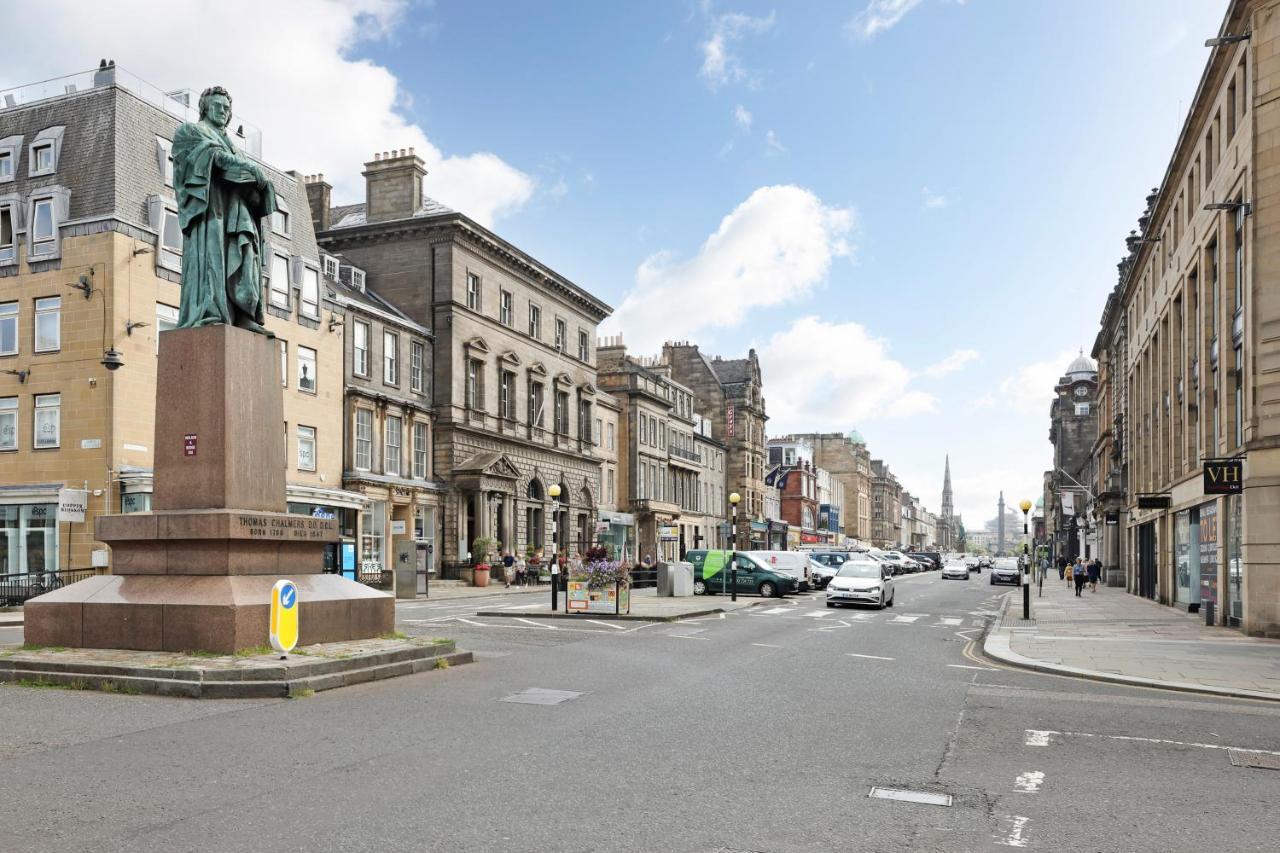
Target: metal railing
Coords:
[(17, 589)]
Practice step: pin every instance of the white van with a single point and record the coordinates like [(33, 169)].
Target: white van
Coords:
[(794, 563)]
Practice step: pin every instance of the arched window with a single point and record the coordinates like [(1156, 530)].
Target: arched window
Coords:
[(534, 492)]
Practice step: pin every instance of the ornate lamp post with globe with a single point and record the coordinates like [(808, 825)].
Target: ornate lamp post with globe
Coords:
[(1025, 506)]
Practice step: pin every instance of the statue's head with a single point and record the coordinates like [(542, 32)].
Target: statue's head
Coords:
[(215, 105)]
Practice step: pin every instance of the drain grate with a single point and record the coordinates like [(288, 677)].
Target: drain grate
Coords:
[(541, 696), (923, 797), (1249, 758)]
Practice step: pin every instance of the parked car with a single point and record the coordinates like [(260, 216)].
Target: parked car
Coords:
[(957, 570), (795, 563), (929, 559), (985, 562), (861, 582), (754, 577), (826, 564), (973, 563), (900, 561), (1006, 571)]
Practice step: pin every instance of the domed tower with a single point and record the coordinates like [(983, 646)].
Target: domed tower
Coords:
[(1073, 431)]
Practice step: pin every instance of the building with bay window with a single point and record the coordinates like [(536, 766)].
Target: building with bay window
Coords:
[(90, 266), (513, 367)]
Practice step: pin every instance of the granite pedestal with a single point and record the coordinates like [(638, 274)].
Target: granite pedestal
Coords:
[(196, 573)]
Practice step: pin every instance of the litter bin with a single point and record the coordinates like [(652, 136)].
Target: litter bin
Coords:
[(1208, 608), (681, 579), (665, 588)]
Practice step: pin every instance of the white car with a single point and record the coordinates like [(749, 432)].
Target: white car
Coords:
[(957, 570), (861, 582)]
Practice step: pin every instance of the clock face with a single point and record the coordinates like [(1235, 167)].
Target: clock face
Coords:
[(1082, 390)]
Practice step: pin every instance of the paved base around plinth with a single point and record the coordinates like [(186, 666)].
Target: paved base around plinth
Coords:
[(198, 676), (1113, 636)]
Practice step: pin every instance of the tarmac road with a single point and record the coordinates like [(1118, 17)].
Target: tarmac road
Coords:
[(761, 731)]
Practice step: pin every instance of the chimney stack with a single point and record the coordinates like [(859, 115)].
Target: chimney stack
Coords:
[(393, 185), (319, 195)]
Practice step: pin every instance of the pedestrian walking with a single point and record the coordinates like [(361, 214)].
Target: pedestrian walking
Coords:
[(508, 567), (1079, 575), (1062, 567), (1095, 569)]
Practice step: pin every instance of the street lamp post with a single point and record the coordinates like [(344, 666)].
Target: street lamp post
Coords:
[(734, 499), (554, 491), (1025, 506)]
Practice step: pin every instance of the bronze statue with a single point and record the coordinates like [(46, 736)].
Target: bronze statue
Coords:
[(223, 197)]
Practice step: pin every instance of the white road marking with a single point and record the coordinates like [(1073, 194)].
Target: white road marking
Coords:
[(963, 666), (1160, 741), (472, 622), (820, 614), (903, 620), (775, 610), (766, 645), (871, 657), (1029, 782), (685, 637), (613, 625), (949, 620), (534, 624), (1012, 827), (1037, 738), (862, 617), (523, 606)]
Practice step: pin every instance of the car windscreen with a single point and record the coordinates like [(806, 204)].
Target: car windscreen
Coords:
[(859, 570), (1007, 564)]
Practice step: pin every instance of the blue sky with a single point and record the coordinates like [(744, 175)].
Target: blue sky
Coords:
[(911, 208)]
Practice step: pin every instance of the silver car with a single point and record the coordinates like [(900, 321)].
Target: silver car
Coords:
[(956, 570), (861, 582)]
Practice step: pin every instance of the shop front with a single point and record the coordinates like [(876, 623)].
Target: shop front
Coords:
[(759, 533), (617, 532), (28, 530)]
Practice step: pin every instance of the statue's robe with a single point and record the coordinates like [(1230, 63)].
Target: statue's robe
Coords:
[(220, 208)]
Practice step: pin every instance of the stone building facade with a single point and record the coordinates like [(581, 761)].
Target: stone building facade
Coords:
[(886, 506), (514, 368), (1191, 349), (731, 396), (1073, 430), (388, 456), (90, 264), (846, 457)]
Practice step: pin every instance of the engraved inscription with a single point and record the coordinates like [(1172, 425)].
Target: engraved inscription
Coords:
[(292, 527)]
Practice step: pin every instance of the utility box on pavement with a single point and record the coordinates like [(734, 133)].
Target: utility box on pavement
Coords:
[(406, 569), (681, 579), (665, 588)]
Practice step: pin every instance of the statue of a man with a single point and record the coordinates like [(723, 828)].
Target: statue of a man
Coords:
[(223, 197)]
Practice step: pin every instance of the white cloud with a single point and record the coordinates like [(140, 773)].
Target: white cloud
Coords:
[(1030, 390), (720, 66), (291, 89), (774, 247), (820, 375), (933, 200), (880, 15), (772, 144), (952, 363), (742, 116)]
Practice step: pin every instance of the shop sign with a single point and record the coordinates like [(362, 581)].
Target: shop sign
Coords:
[(322, 512), (810, 537), (72, 504), (397, 528), (1112, 518), (602, 528), (728, 420), (1209, 552), (189, 444), (1223, 476), (669, 532), (1153, 501)]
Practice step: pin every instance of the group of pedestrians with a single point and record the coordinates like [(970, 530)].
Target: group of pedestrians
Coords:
[(1080, 573)]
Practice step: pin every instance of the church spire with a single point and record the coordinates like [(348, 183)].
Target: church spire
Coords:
[(948, 509)]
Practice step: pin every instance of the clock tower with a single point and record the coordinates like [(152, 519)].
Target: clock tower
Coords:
[(1073, 430)]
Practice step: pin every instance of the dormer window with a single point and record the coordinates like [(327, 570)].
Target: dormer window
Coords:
[(280, 219), (164, 159), (48, 209), (10, 210), (357, 279), (330, 264), (162, 215), (45, 151), (6, 165)]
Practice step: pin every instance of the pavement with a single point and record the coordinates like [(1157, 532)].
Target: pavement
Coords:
[(1111, 635), (763, 729)]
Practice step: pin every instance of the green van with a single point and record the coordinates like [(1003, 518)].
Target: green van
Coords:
[(754, 577)]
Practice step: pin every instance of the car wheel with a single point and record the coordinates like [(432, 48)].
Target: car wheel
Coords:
[(699, 587), (768, 590), (880, 606), (831, 604), (891, 598), (993, 580)]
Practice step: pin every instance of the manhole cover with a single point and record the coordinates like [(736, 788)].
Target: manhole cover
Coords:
[(540, 696), (901, 795), (1249, 758)]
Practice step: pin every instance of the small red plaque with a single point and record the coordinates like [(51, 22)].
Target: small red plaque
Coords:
[(189, 445)]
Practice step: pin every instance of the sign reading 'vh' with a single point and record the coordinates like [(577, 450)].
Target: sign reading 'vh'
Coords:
[(1223, 476)]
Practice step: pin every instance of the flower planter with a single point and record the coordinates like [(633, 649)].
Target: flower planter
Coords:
[(613, 600), (480, 576)]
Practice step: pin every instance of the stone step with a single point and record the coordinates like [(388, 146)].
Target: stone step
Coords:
[(297, 678)]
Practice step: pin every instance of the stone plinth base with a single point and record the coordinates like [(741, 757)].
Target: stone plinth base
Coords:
[(210, 613)]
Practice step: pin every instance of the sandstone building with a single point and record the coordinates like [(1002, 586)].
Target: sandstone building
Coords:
[(514, 372)]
